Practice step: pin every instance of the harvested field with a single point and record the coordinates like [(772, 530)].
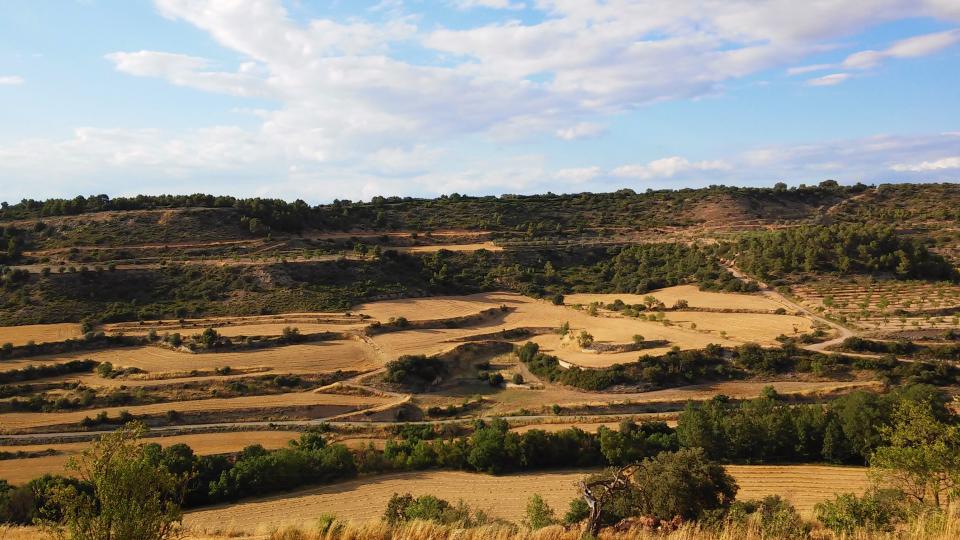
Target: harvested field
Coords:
[(335, 320), (609, 328), (501, 496), (18, 471), (589, 427), (316, 357), (323, 405), (489, 246), (435, 307), (512, 400), (752, 327), (691, 293), (38, 333), (252, 329)]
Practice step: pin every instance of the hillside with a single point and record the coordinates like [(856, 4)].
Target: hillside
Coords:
[(434, 339)]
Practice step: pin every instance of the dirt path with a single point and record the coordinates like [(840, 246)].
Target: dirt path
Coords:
[(842, 331)]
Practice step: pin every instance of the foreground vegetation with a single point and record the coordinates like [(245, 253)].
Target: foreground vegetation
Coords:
[(909, 438)]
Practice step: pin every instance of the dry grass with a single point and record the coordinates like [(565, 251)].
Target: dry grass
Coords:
[(693, 295), (501, 496), (38, 333), (18, 471), (419, 530), (322, 405)]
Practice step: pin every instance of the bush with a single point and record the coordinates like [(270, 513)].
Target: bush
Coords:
[(876, 510), (402, 508), (415, 370), (539, 514), (775, 518)]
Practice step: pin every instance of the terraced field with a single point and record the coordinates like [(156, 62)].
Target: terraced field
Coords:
[(18, 471), (317, 357), (319, 405), (884, 305), (38, 333), (691, 293)]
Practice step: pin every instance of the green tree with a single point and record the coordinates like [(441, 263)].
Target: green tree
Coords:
[(683, 483), (922, 453), (539, 513), (131, 496)]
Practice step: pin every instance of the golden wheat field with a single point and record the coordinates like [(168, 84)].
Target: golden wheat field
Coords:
[(247, 329), (38, 333), (516, 400), (18, 471), (317, 357), (691, 293), (322, 405), (435, 307), (501, 496), (685, 329)]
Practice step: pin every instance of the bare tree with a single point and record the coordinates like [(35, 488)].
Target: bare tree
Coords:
[(599, 492)]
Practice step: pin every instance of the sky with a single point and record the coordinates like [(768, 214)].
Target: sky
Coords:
[(348, 99)]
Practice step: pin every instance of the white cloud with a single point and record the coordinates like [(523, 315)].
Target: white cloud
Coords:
[(351, 112), (913, 47), (11, 80), (828, 80), (491, 4), (940, 164), (800, 70), (578, 175), (583, 130), (191, 71), (668, 168)]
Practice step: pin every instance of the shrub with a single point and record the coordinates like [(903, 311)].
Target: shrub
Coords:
[(539, 514), (876, 510)]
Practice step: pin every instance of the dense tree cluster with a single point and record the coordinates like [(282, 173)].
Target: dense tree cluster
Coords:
[(12, 242), (415, 370), (843, 248), (847, 430)]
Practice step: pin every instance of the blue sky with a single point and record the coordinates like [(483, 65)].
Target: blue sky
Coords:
[(350, 99)]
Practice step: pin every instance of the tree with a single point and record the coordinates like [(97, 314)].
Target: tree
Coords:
[(209, 338), (539, 513), (132, 497), (585, 339), (922, 453), (683, 483)]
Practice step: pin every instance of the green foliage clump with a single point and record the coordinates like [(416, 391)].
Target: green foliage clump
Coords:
[(415, 370), (844, 248)]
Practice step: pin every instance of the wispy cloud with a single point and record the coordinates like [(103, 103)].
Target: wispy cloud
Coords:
[(828, 80), (912, 47), (11, 80)]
